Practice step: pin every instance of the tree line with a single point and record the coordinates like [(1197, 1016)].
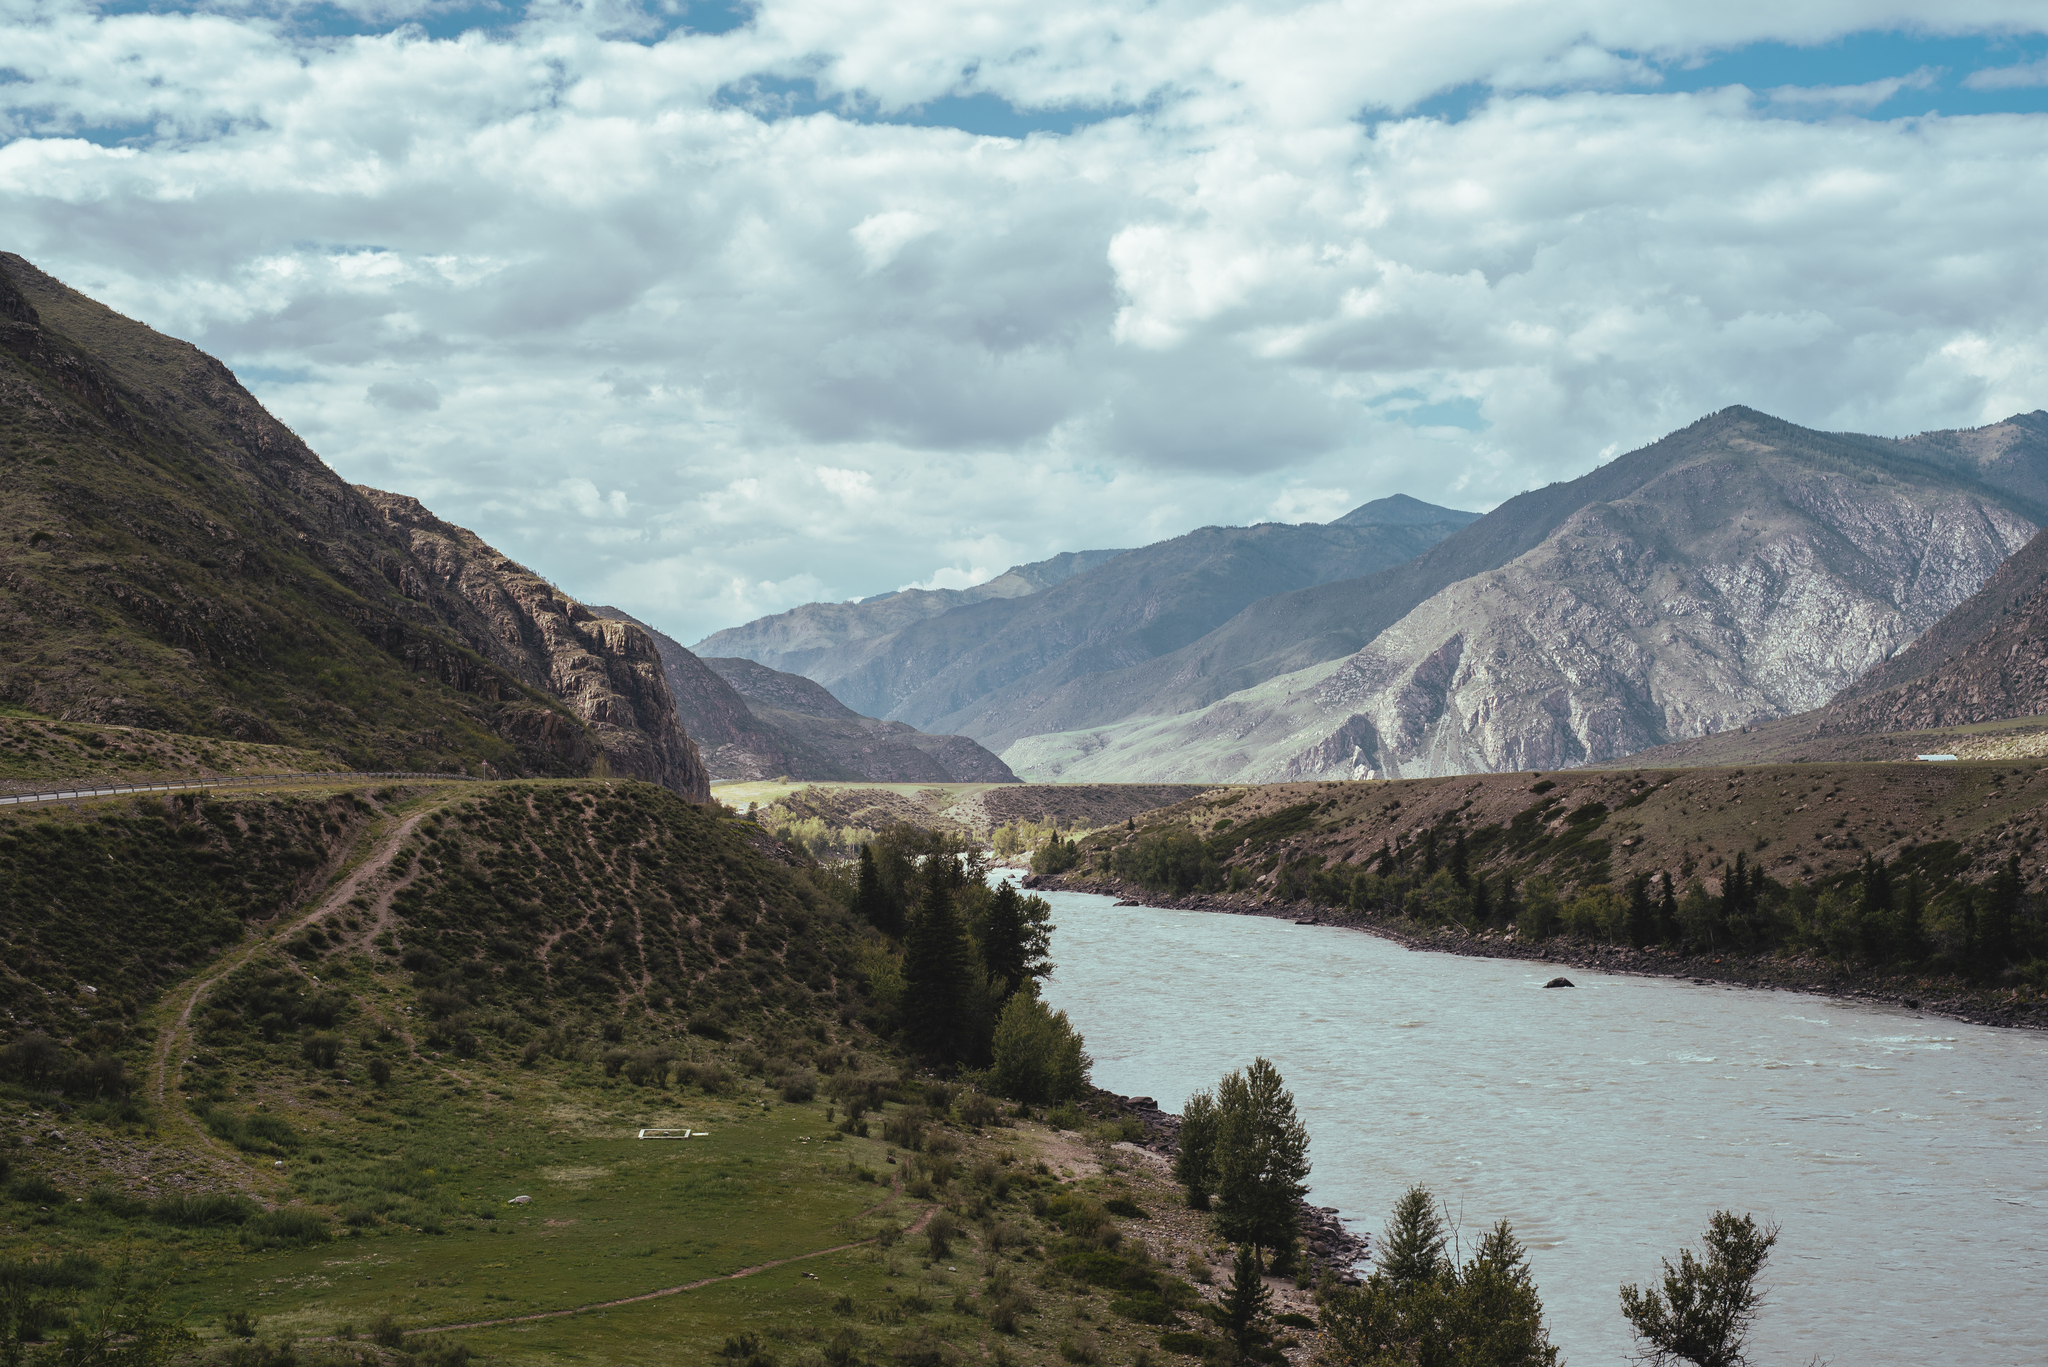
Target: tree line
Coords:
[(963, 958), (1918, 911)]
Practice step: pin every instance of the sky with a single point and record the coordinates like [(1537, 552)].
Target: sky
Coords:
[(707, 309)]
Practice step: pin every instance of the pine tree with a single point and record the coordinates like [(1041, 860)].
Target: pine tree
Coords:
[(1429, 860), (1667, 912), (1461, 862), (1261, 1156), (1194, 1159), (2001, 915), (1017, 939), (1384, 865), (936, 964), (1412, 1250), (1912, 937), (1642, 917), (1506, 911), (1482, 911), (1875, 909), (871, 901), (1247, 1301), (1707, 1304)]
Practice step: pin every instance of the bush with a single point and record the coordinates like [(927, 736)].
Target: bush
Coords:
[(1179, 1341), (116, 1202), (209, 1210), (649, 1066), (37, 1190), (386, 1332), (799, 1084), (1125, 1208), (284, 1229), (940, 1232), (380, 1073), (322, 1049)]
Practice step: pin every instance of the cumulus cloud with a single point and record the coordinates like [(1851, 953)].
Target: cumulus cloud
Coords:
[(699, 324)]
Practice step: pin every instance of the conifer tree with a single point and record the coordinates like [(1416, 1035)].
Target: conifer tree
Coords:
[(1667, 912), (1247, 1301), (1461, 862), (1642, 917), (1429, 860), (1482, 911), (1412, 1249), (1194, 1160), (1912, 936), (1384, 865), (871, 900), (1507, 909), (1261, 1156), (936, 968), (1705, 1308), (1017, 939)]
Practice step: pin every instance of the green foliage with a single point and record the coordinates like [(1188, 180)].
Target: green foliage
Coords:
[(1194, 1161), (1039, 1057), (1419, 1308), (938, 978), (211, 1209), (1261, 1156), (1016, 937), (1245, 1301), (1707, 1304), (1174, 860), (1056, 856), (287, 1228)]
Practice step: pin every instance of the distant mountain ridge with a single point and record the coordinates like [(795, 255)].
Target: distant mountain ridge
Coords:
[(753, 722), (176, 558), (1738, 570), (985, 669)]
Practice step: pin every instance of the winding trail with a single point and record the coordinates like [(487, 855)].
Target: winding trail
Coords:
[(383, 849), (914, 1227)]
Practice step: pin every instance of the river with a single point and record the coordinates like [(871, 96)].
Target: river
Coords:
[(1902, 1156)]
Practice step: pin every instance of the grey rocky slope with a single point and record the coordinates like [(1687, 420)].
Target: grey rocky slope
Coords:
[(1741, 569), (985, 669), (752, 722)]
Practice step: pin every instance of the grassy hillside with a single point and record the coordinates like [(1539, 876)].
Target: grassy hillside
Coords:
[(38, 752), (345, 1030)]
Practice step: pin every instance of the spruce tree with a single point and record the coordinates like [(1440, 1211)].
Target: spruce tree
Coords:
[(1667, 911), (1412, 1250), (1482, 911), (1429, 860), (1261, 1156), (1912, 937), (871, 900), (1505, 913), (1642, 928), (1384, 865), (936, 965), (1017, 938), (1194, 1158), (1247, 1301), (1461, 862)]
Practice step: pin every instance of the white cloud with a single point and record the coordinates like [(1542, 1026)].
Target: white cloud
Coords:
[(2009, 77), (557, 285)]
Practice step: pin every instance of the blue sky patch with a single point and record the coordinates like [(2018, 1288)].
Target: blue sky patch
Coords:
[(1972, 74)]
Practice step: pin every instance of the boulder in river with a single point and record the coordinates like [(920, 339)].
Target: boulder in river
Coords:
[(1559, 982)]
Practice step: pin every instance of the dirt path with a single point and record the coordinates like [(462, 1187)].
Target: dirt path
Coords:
[(179, 1030), (914, 1226)]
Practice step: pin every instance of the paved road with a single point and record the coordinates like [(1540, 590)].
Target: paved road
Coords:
[(242, 781)]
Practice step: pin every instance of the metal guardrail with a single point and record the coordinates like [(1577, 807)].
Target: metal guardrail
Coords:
[(241, 781)]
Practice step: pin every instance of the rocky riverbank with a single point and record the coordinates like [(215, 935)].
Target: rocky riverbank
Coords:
[(1327, 1245), (1935, 997)]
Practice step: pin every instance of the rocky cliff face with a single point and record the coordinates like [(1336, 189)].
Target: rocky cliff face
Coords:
[(1755, 576), (608, 672)]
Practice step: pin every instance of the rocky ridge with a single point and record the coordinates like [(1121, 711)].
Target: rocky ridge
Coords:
[(177, 559), (1746, 571), (608, 672)]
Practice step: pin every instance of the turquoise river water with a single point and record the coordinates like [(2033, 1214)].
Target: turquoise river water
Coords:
[(1904, 1157)]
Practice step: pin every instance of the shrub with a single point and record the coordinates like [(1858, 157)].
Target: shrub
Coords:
[(116, 1202), (1180, 1341), (380, 1073), (940, 1232), (1124, 1207), (322, 1049), (649, 1066), (385, 1332), (800, 1084), (239, 1324), (284, 1229), (210, 1209), (37, 1190)]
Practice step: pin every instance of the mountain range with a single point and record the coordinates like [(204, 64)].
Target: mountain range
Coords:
[(753, 722), (1740, 570)]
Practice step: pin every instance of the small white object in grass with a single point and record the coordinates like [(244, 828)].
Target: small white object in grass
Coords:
[(1934, 757), (520, 1201), (656, 1132)]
